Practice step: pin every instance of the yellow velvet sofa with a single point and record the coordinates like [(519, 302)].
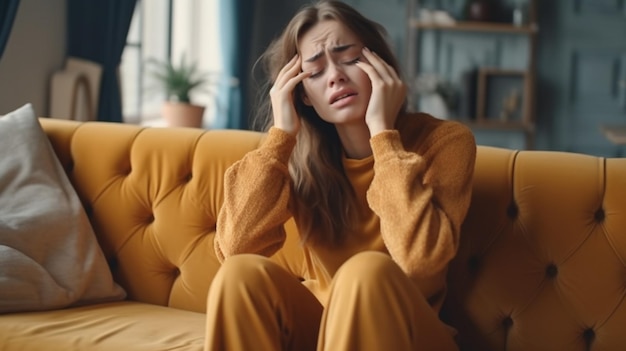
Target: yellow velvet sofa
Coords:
[(542, 263)]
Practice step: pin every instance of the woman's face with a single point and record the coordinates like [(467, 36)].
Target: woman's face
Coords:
[(338, 90)]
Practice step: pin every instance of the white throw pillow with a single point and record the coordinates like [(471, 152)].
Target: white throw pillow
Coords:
[(49, 254)]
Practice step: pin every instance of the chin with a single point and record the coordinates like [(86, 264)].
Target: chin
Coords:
[(345, 116), (345, 119)]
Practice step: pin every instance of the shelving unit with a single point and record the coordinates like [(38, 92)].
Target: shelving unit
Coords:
[(481, 118)]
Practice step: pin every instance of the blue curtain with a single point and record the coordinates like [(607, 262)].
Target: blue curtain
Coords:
[(97, 31), (8, 9), (236, 23)]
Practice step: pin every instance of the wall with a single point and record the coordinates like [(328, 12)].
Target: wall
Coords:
[(582, 71), (391, 14), (35, 50)]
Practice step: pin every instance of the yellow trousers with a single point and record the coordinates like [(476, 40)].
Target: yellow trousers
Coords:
[(255, 304)]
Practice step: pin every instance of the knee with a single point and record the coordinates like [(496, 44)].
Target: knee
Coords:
[(369, 267), (243, 263), (241, 269)]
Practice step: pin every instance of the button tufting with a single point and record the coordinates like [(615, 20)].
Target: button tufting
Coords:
[(150, 218), (589, 335), (188, 177), (512, 210), (88, 209), (176, 272), (473, 263), (599, 215), (552, 271), (507, 322), (113, 263)]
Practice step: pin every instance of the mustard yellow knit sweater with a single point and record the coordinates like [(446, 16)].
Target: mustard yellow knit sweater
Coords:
[(414, 192)]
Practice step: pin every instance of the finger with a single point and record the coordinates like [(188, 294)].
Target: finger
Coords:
[(385, 71), (280, 78), (370, 71), (379, 63), (287, 72), (294, 81), (287, 65)]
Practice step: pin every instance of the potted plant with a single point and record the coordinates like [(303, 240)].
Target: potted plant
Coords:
[(178, 82)]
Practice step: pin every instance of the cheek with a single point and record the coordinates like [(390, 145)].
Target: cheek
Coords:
[(361, 77), (363, 81), (312, 90)]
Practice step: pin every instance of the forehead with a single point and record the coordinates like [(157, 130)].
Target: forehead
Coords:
[(325, 35)]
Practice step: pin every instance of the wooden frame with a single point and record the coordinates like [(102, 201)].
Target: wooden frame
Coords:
[(503, 96)]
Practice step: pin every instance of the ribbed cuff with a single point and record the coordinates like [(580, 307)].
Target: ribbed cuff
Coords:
[(386, 143)]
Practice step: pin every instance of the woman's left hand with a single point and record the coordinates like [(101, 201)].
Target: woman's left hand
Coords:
[(388, 93)]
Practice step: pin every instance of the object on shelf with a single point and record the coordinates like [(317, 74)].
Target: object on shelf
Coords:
[(479, 10), (438, 17), (510, 104), (486, 11), (502, 95), (520, 13), (436, 95)]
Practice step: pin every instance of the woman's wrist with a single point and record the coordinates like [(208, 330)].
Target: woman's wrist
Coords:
[(378, 127), (289, 128)]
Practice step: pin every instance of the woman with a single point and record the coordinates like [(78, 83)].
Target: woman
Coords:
[(378, 196)]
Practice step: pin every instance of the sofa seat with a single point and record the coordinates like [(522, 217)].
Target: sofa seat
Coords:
[(118, 326)]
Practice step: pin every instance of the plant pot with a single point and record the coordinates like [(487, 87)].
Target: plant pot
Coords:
[(179, 114)]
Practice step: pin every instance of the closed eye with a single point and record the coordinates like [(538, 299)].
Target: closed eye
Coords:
[(352, 62), (315, 74)]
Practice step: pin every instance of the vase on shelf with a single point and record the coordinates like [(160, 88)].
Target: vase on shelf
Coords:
[(520, 13), (483, 11)]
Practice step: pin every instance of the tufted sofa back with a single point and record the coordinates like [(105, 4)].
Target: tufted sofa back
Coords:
[(542, 258), (152, 195), (541, 264)]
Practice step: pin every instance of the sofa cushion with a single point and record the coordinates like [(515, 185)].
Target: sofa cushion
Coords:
[(114, 326), (49, 255)]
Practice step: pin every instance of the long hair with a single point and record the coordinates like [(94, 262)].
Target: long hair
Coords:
[(324, 202)]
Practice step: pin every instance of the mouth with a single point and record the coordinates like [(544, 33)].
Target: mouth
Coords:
[(339, 97)]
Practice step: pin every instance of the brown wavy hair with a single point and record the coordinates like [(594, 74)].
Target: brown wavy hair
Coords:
[(324, 203)]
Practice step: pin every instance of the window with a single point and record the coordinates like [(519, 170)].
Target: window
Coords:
[(164, 29)]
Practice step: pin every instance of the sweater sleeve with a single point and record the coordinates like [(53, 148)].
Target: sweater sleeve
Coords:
[(257, 189), (422, 199)]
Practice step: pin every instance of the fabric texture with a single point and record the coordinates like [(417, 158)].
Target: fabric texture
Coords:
[(49, 255)]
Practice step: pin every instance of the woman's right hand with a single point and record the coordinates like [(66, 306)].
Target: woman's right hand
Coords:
[(281, 94)]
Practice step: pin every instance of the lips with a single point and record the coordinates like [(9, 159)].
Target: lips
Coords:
[(342, 94)]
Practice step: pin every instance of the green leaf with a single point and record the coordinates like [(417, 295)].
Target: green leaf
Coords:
[(180, 81)]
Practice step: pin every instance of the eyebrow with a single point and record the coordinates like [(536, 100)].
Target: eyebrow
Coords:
[(336, 49)]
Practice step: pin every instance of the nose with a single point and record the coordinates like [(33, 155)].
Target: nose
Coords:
[(336, 74)]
